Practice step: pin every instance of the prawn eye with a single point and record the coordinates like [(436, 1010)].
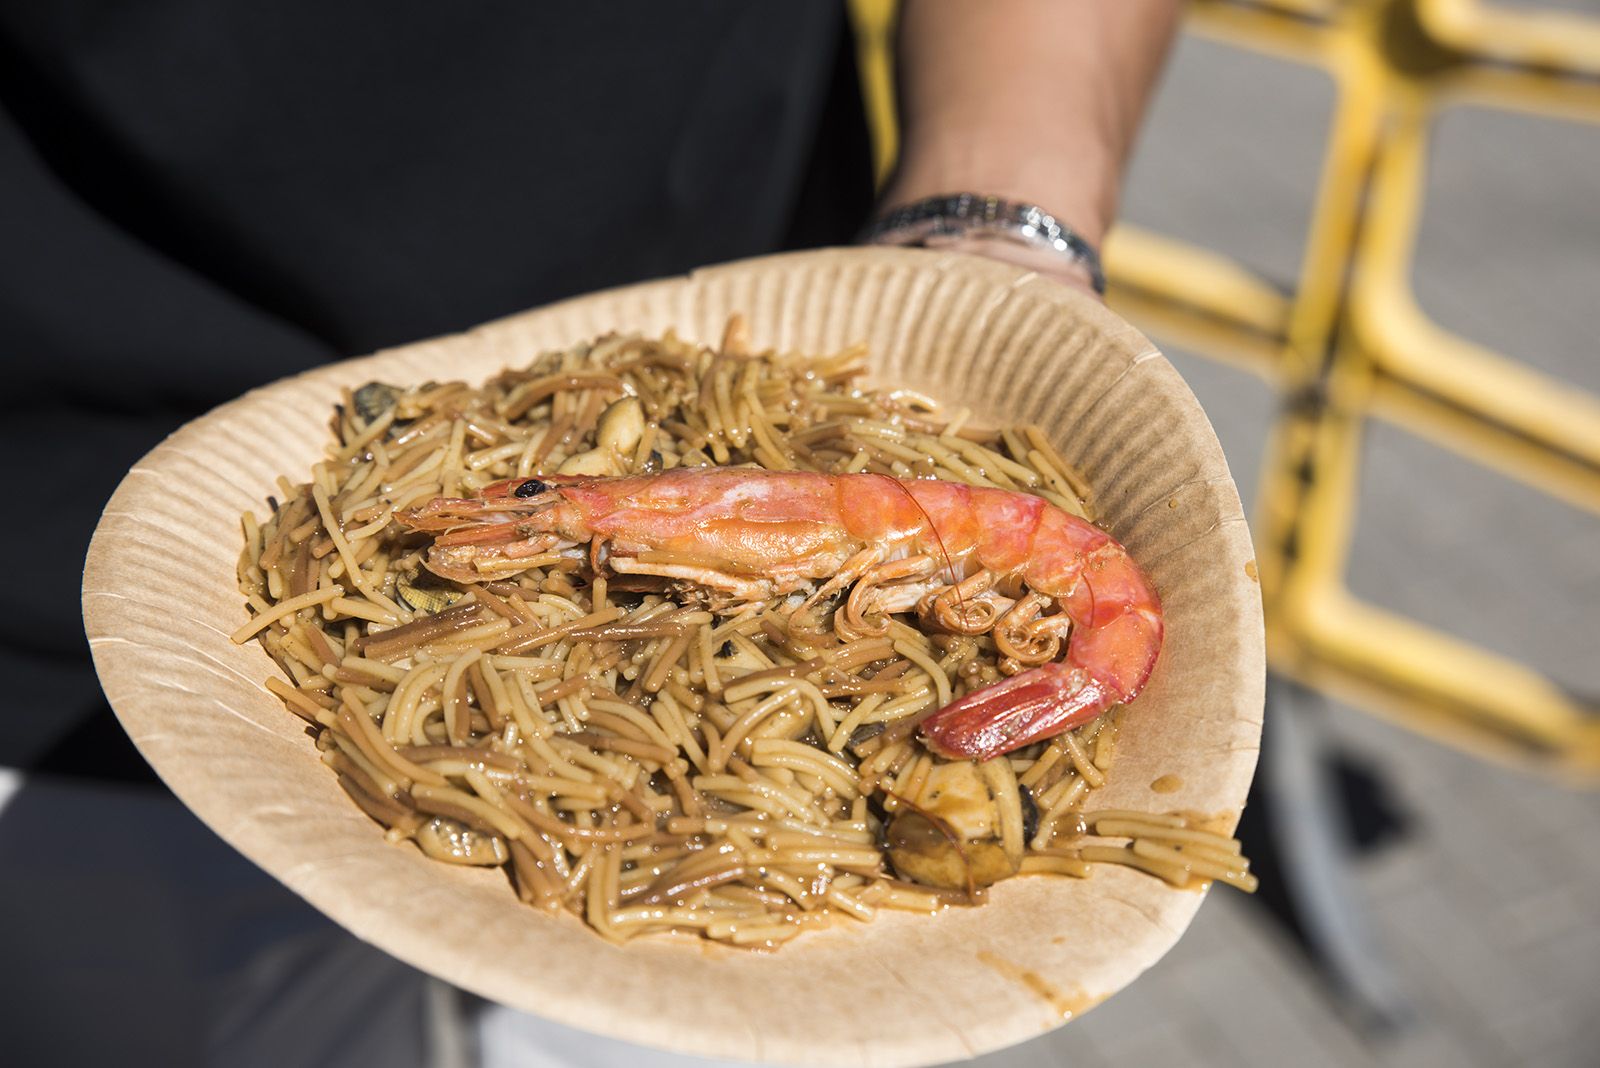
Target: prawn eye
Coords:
[(531, 488)]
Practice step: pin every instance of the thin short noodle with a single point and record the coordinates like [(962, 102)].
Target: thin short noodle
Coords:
[(653, 755)]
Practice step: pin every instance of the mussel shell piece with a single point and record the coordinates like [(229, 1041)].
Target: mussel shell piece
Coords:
[(423, 591), (373, 399), (924, 852)]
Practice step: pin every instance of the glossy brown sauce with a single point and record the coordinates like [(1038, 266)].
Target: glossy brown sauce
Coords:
[(1066, 1006)]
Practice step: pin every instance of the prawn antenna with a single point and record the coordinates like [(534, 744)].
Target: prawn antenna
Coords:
[(1084, 578)]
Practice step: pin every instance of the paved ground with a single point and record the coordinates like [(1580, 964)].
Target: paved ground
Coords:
[(1487, 909)]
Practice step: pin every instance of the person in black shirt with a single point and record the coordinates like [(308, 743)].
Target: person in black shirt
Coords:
[(200, 196)]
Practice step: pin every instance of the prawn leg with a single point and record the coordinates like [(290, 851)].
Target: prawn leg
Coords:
[(961, 608), (856, 569), (1019, 635), (867, 610), (740, 589)]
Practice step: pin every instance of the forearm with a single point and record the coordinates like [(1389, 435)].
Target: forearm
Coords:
[(1032, 100)]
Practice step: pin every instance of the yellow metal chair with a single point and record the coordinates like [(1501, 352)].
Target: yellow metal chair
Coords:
[(1350, 343)]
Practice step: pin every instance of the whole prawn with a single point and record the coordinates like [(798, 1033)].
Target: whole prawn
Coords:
[(968, 559)]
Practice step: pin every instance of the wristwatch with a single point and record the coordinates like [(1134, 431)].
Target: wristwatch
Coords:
[(956, 215)]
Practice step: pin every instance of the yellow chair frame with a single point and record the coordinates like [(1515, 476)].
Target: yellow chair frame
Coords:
[(1350, 343)]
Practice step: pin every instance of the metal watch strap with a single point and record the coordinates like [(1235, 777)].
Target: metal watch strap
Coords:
[(964, 214)]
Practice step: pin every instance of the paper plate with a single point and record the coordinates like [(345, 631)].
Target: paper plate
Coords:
[(160, 599)]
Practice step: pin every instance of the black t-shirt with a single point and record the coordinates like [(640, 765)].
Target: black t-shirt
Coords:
[(198, 196)]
